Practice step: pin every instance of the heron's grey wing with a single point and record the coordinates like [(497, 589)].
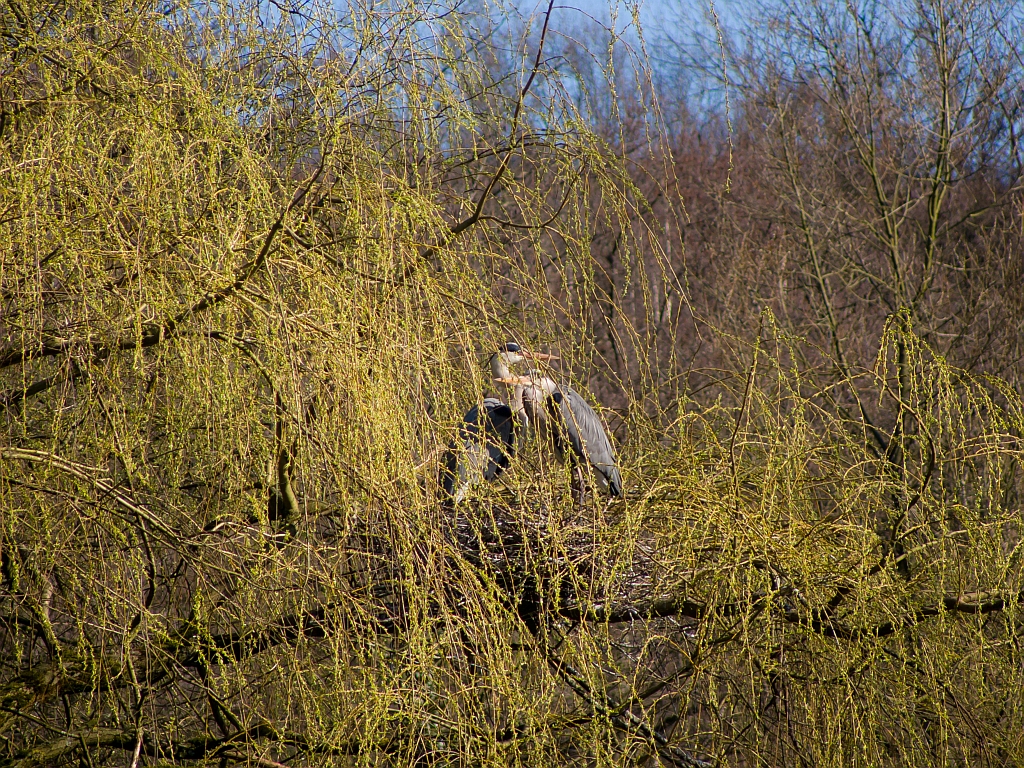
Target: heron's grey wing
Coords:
[(587, 436)]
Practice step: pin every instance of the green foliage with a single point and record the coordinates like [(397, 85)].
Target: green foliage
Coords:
[(252, 262)]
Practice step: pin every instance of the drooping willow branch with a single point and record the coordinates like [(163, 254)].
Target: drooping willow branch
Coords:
[(154, 333)]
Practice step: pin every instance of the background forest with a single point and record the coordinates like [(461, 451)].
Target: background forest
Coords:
[(254, 256)]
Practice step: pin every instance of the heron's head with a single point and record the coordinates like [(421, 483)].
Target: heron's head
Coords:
[(535, 384), (511, 353), (541, 382)]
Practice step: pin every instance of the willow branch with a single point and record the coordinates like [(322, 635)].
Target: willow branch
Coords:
[(154, 333)]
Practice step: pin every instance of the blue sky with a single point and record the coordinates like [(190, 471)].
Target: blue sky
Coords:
[(669, 28), (654, 14)]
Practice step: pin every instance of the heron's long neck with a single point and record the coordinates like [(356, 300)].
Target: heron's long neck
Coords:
[(498, 368), (533, 408), (515, 400)]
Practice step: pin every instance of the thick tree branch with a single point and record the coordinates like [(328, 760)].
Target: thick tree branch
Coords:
[(92, 475), (819, 621)]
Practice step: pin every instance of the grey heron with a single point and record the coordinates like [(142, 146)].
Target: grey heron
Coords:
[(490, 431), (559, 413)]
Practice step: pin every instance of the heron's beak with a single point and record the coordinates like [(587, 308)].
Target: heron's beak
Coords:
[(524, 380), (541, 356)]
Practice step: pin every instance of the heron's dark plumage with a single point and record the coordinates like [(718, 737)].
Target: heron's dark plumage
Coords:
[(484, 447)]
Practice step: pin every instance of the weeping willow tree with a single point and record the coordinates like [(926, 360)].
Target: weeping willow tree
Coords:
[(252, 260)]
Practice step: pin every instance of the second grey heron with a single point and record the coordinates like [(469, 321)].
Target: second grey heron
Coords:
[(491, 430), (560, 413)]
